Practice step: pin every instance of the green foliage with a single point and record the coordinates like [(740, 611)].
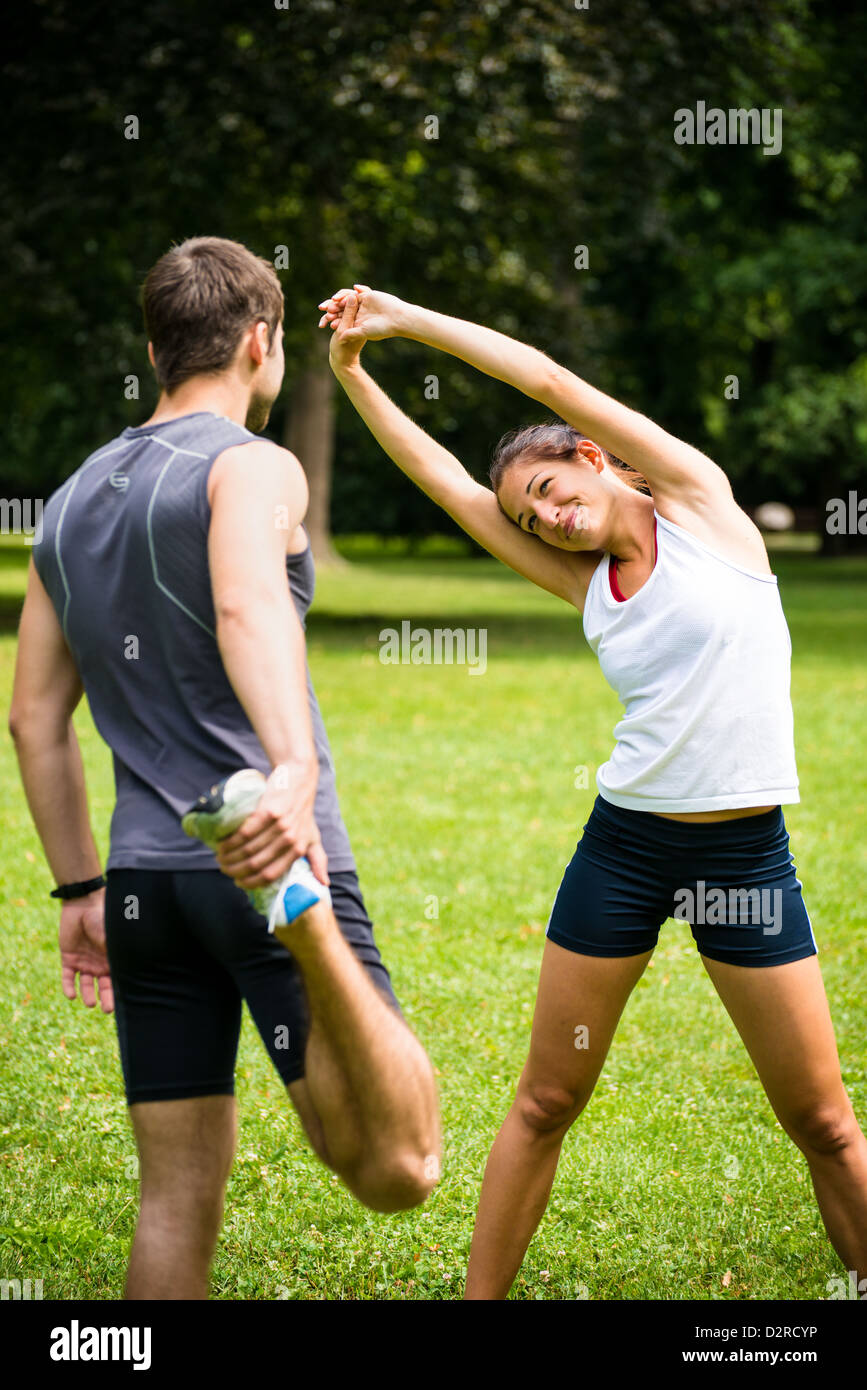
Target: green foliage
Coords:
[(307, 129)]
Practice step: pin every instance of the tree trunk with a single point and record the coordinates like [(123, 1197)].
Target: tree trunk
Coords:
[(832, 484), (309, 433)]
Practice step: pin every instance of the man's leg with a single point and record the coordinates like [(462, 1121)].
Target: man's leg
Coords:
[(368, 1078), (368, 1101), (368, 1081), (178, 1016), (185, 1154)]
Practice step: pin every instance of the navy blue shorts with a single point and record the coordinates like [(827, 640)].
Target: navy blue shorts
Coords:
[(186, 948), (734, 881)]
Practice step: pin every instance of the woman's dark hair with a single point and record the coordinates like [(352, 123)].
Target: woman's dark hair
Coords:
[(555, 442)]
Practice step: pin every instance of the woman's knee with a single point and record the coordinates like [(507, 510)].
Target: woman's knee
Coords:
[(826, 1129), (548, 1107)]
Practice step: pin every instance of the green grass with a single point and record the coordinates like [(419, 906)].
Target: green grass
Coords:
[(462, 787)]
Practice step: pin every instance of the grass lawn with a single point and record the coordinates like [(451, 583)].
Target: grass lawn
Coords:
[(676, 1182)]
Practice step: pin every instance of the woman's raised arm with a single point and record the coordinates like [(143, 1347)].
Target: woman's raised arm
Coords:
[(439, 474), (675, 471)]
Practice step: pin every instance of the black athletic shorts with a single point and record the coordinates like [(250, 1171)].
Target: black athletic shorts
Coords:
[(734, 881), (185, 948)]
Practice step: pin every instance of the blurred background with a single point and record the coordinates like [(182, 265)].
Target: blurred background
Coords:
[(513, 163), (508, 162)]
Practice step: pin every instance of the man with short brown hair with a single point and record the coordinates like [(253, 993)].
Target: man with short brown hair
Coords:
[(160, 588)]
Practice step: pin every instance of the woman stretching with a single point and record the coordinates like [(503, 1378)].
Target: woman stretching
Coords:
[(683, 612)]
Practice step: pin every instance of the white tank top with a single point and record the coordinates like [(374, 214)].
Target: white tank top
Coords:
[(700, 658)]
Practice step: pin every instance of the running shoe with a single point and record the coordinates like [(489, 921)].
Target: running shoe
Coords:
[(219, 812)]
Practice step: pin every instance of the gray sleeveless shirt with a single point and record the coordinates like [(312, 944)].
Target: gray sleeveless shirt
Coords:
[(124, 558)]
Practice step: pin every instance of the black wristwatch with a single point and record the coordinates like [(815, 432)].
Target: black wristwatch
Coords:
[(78, 890)]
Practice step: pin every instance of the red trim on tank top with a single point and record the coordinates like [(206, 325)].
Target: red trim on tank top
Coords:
[(612, 568)]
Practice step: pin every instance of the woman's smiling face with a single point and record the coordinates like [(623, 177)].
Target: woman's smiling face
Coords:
[(565, 504)]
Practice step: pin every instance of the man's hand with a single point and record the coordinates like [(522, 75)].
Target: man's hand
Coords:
[(82, 950), (356, 316), (279, 831)]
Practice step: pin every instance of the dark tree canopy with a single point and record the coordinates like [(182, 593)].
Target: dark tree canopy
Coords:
[(309, 129)]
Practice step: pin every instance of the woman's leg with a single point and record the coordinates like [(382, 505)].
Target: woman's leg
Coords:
[(576, 992), (781, 1013)]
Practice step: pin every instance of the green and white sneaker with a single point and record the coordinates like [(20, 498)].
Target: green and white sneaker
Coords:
[(219, 812)]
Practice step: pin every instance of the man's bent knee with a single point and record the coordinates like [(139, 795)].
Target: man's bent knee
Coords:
[(394, 1182)]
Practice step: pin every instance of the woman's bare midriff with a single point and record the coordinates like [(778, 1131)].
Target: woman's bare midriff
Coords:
[(733, 814)]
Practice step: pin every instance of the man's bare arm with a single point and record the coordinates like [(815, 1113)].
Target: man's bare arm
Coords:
[(258, 496), (46, 690)]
